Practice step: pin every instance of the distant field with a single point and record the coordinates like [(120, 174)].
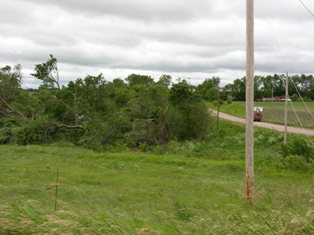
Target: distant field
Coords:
[(138, 193), (274, 112)]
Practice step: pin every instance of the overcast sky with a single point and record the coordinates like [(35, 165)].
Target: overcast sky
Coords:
[(194, 39)]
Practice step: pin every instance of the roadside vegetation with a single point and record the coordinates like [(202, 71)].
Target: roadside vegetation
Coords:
[(139, 156), (274, 112), (191, 187), (196, 188), (136, 112), (97, 114)]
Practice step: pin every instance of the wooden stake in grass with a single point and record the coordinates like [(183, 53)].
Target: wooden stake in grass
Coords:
[(56, 193)]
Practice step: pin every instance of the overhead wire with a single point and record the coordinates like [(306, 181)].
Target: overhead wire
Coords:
[(302, 99), (276, 42), (299, 120), (307, 8)]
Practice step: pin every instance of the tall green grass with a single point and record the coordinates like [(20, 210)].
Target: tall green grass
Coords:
[(142, 193)]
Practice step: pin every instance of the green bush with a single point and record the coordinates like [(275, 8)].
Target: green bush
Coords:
[(295, 162), (35, 132), (298, 147), (229, 99), (5, 135)]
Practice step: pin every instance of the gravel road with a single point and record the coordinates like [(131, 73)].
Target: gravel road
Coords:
[(281, 128)]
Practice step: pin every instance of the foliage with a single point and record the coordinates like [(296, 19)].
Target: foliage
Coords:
[(295, 163), (5, 135), (209, 89), (298, 147), (96, 113), (189, 116), (236, 89), (10, 83), (273, 86), (40, 131), (48, 73), (137, 79)]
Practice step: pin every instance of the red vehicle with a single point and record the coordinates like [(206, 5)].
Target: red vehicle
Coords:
[(257, 112)]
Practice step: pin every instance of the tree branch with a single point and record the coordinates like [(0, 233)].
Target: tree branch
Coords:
[(70, 127), (12, 109)]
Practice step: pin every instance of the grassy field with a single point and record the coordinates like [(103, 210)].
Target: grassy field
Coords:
[(274, 112), (140, 193)]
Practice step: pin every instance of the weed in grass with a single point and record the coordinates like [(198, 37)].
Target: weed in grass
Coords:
[(182, 212)]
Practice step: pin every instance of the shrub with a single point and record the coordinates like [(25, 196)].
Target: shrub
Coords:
[(229, 99), (298, 147), (190, 121), (37, 132), (295, 162), (5, 135)]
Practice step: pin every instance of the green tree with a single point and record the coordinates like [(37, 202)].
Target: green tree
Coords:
[(137, 79), (189, 117), (236, 89), (10, 81), (48, 73), (208, 89), (165, 80), (10, 84)]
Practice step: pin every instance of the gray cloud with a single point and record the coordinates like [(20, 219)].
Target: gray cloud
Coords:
[(139, 9), (185, 38)]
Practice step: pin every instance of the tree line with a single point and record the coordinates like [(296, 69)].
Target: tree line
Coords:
[(95, 113), (134, 111), (272, 86)]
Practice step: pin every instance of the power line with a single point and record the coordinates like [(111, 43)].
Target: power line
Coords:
[(302, 99), (308, 9), (299, 120), (277, 45)]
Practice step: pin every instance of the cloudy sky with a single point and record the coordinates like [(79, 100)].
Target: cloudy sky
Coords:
[(194, 39)]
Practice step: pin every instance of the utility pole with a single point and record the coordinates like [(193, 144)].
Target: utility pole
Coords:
[(218, 106), (286, 109), (249, 138)]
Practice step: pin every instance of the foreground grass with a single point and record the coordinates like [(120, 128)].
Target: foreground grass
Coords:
[(274, 112), (138, 193)]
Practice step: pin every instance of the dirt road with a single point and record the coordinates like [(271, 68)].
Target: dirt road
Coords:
[(276, 127)]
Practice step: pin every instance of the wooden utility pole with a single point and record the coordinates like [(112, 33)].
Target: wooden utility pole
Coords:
[(249, 138), (286, 109), (218, 106)]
